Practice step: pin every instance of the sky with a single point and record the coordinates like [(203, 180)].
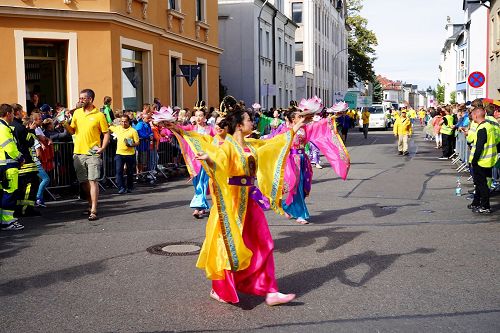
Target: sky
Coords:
[(411, 34)]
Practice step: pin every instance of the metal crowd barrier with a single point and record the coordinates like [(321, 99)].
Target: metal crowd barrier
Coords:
[(461, 152), (157, 160)]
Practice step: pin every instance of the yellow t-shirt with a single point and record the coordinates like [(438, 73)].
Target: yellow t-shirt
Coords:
[(88, 128), (121, 135), (366, 117)]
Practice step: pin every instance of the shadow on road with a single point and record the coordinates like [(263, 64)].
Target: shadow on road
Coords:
[(330, 216), (301, 239), (316, 277), (43, 280)]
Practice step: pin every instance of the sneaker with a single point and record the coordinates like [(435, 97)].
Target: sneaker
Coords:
[(471, 191), (481, 210), (318, 166), (405, 153), (12, 226), (473, 207), (40, 203), (400, 153), (122, 191)]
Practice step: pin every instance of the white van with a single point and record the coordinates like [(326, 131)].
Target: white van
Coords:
[(378, 116)]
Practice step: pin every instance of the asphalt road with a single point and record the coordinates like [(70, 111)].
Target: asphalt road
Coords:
[(392, 249)]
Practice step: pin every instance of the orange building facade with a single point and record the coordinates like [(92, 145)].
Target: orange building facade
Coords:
[(127, 49)]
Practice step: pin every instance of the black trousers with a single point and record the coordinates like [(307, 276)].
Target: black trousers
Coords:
[(447, 145), (482, 193)]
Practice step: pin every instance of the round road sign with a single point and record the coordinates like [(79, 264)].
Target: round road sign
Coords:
[(476, 79)]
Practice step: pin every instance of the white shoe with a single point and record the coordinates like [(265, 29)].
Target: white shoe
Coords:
[(318, 166)]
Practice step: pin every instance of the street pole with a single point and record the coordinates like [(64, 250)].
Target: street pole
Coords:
[(334, 59), (260, 47)]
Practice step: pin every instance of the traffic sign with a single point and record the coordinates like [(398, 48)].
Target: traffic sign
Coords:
[(190, 72), (476, 79)]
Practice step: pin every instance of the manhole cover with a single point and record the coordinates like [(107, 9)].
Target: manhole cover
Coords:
[(175, 249)]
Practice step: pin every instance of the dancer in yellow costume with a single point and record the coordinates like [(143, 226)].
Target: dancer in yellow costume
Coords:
[(247, 175)]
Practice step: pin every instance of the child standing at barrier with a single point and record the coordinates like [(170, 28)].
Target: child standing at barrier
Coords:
[(145, 135), (127, 139)]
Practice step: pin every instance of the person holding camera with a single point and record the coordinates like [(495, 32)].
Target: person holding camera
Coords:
[(127, 139)]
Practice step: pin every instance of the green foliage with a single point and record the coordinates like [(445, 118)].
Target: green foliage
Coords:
[(378, 94), (440, 94), (453, 97), (361, 44)]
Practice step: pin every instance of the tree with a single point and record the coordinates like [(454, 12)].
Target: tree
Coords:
[(378, 94), (361, 43), (440, 94), (453, 97)]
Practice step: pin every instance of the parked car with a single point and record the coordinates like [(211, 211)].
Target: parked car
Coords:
[(378, 117)]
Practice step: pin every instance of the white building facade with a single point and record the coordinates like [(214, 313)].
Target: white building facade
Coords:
[(249, 68), (448, 61), (320, 48), (476, 18)]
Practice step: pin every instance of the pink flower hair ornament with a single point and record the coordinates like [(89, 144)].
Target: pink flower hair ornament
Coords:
[(310, 106), (164, 114)]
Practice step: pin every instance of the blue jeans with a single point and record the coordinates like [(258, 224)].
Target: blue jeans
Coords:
[(120, 162), (45, 180)]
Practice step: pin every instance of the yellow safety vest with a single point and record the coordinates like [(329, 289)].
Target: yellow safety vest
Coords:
[(471, 134), (447, 129), (489, 156), (8, 147)]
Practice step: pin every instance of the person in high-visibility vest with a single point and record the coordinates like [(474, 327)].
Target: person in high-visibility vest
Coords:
[(10, 161), (447, 124), (483, 157), (28, 174)]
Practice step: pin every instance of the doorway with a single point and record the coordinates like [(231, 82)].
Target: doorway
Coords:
[(45, 63)]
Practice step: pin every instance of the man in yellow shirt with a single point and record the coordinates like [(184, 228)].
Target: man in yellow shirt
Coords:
[(365, 117), (87, 124), (403, 130), (127, 139)]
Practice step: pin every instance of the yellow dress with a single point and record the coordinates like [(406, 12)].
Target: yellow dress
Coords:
[(224, 248)]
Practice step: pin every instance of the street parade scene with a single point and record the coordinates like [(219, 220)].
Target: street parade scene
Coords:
[(253, 166)]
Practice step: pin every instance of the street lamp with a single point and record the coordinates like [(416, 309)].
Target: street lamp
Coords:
[(260, 47), (335, 58)]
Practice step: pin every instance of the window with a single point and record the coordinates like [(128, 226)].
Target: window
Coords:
[(297, 12), (200, 10), (268, 41), (291, 54), (132, 79), (174, 81), (279, 50), (201, 82), (261, 35), (174, 4), (286, 53), (299, 52)]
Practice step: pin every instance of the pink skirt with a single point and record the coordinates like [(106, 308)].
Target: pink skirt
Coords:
[(259, 278)]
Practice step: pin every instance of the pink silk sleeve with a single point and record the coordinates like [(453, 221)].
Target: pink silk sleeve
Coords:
[(325, 136)]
